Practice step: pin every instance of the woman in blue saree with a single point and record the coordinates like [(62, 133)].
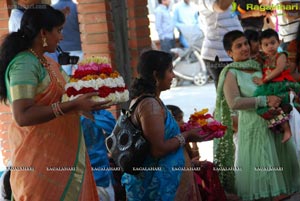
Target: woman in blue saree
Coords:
[(163, 176)]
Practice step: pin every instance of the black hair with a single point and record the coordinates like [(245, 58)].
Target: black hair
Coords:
[(160, 1), (149, 62), (268, 33), (297, 46), (175, 110), (35, 18), (230, 37), (6, 184), (252, 35)]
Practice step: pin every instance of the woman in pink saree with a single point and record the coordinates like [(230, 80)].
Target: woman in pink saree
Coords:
[(49, 159)]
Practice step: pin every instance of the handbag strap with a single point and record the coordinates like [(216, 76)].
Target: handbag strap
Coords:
[(132, 108)]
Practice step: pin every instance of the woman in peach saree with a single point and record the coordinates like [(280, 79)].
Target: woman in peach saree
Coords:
[(49, 159)]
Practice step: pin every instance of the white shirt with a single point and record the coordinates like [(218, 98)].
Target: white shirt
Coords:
[(287, 30), (14, 21), (216, 26)]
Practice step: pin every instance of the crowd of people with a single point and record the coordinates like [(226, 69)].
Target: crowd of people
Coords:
[(254, 69)]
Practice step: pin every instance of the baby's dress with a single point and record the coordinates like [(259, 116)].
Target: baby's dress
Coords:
[(279, 86)]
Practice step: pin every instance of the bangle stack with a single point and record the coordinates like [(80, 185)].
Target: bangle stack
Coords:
[(56, 109), (181, 140)]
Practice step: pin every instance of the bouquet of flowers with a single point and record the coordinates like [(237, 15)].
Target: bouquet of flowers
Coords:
[(95, 74), (202, 119)]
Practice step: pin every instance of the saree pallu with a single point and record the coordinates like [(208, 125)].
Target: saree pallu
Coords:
[(52, 154)]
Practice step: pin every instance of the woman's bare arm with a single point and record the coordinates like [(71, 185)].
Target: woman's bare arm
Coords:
[(27, 113)]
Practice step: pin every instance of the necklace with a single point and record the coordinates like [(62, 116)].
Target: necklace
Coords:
[(44, 62), (270, 64), (42, 59)]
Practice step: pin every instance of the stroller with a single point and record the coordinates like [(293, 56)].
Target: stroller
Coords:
[(189, 64)]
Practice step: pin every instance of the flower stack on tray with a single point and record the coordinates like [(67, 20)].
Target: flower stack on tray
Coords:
[(202, 119), (95, 74)]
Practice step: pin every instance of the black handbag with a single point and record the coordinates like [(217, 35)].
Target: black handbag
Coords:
[(126, 144)]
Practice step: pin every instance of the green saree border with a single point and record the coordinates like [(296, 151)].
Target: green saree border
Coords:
[(73, 187)]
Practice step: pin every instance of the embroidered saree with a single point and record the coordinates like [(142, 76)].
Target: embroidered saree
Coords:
[(53, 153)]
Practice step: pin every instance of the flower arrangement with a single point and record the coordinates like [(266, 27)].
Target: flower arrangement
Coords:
[(202, 119), (95, 74)]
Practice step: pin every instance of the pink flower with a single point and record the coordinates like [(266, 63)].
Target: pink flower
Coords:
[(208, 124)]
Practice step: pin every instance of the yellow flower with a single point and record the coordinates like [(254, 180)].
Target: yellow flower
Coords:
[(202, 112), (72, 79), (103, 76), (115, 74), (202, 122), (93, 59), (199, 117)]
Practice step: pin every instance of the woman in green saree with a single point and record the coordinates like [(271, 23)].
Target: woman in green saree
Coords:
[(49, 160), (263, 169)]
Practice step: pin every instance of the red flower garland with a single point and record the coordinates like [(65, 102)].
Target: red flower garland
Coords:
[(103, 91)]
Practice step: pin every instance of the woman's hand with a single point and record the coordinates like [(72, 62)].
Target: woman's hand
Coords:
[(85, 103), (194, 136), (273, 101), (196, 161), (257, 80)]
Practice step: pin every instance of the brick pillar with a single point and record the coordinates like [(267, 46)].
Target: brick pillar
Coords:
[(138, 30), (5, 114), (95, 27), (5, 7)]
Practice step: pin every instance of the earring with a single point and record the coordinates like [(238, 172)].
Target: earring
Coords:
[(45, 44)]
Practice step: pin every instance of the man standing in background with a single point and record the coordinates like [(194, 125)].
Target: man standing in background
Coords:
[(164, 25), (17, 12), (71, 35), (217, 19), (288, 22), (185, 14)]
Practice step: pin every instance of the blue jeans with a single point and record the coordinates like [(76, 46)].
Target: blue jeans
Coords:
[(214, 68), (167, 44)]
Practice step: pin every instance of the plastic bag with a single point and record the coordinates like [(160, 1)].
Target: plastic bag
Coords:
[(294, 125)]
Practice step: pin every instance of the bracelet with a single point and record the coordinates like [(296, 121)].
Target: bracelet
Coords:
[(56, 109), (181, 140), (59, 109)]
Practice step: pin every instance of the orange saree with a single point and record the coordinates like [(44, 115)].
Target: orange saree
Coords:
[(49, 160)]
